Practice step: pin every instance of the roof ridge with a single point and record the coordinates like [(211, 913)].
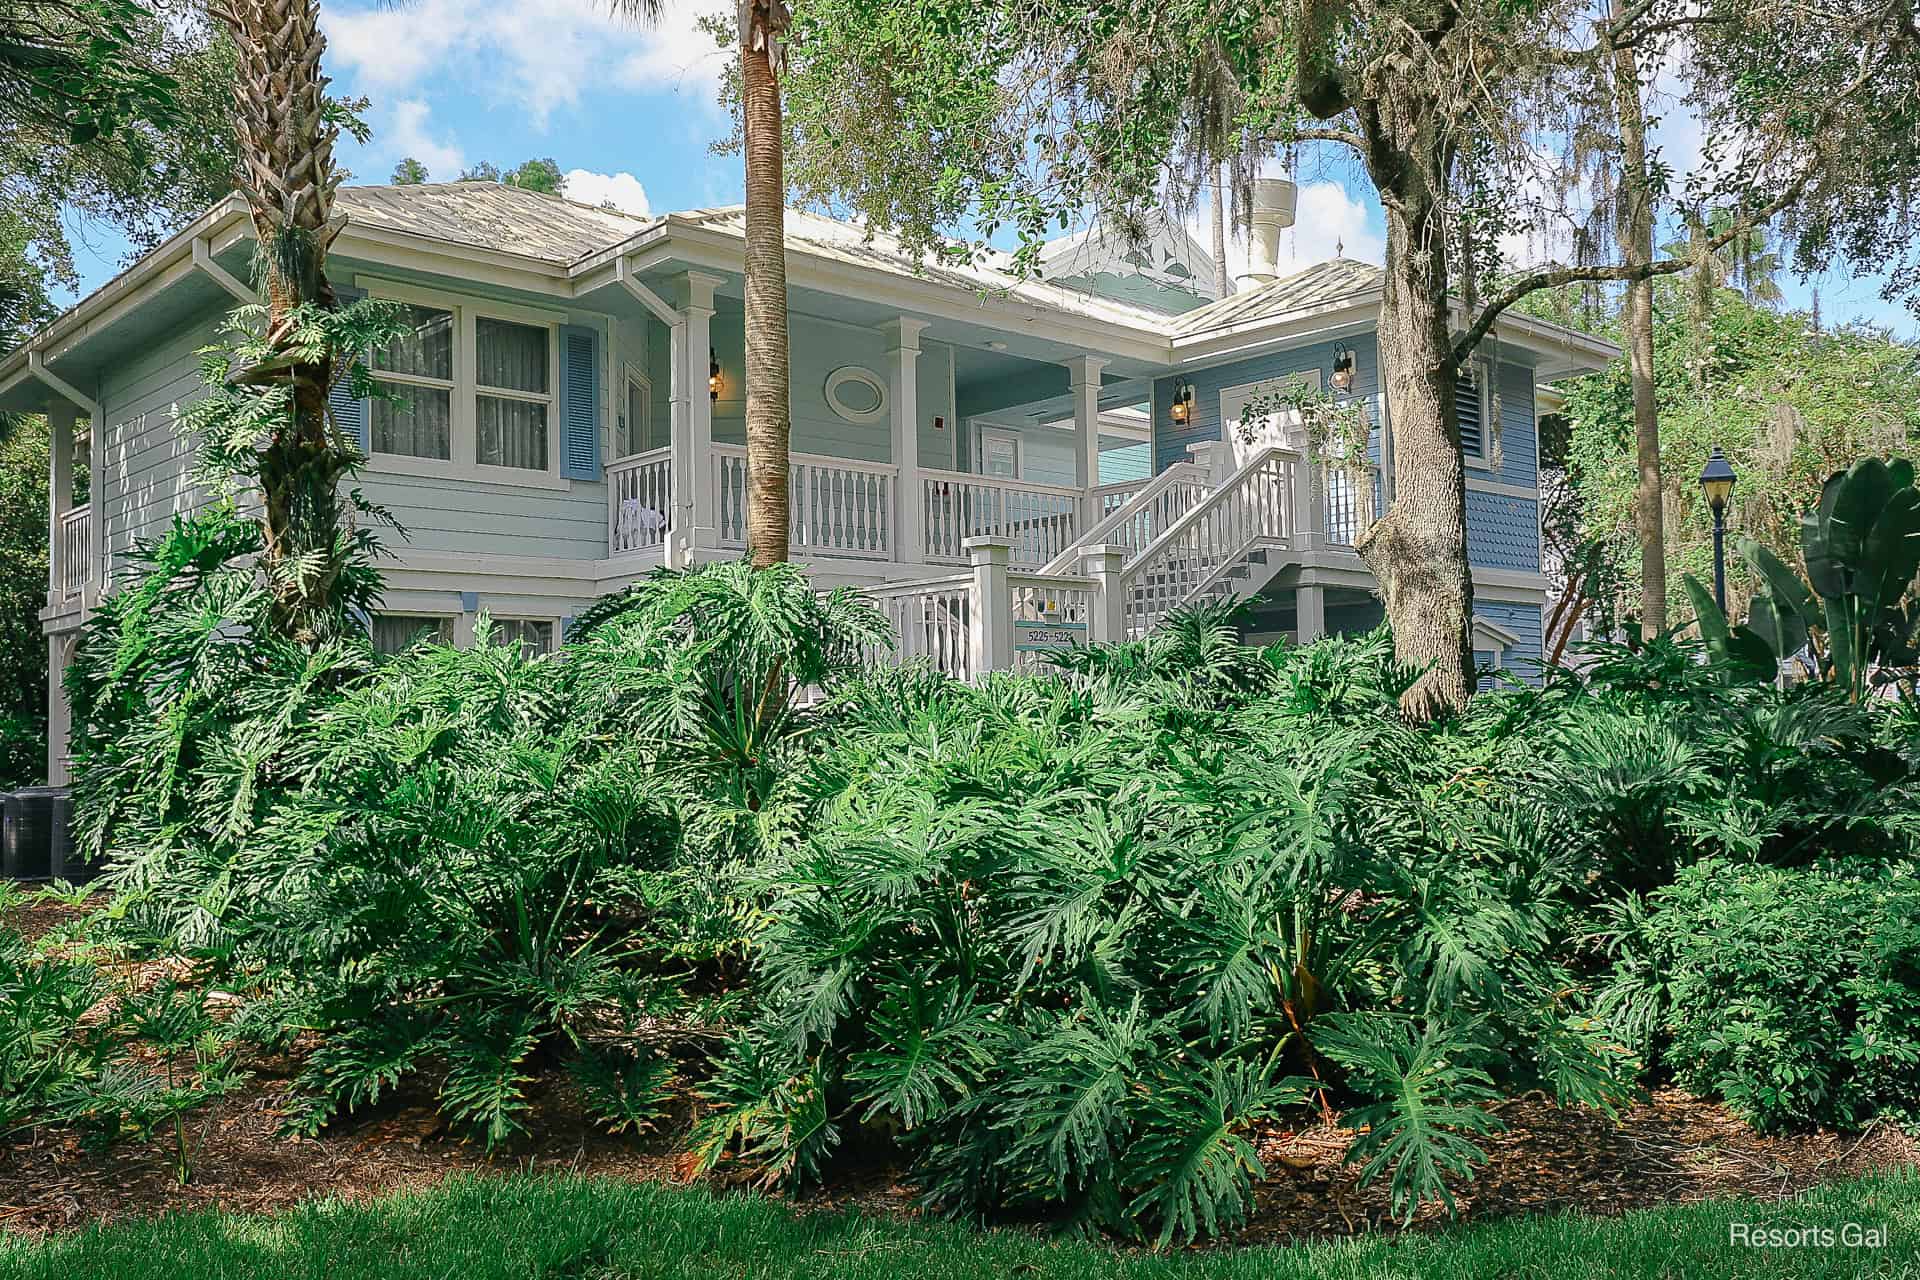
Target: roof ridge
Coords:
[(501, 188)]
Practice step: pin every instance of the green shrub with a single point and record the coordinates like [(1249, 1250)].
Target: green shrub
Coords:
[(1792, 993), (460, 863), (1070, 955)]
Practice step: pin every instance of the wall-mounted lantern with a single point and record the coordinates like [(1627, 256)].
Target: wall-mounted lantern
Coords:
[(1342, 376), (1183, 403), (713, 374)]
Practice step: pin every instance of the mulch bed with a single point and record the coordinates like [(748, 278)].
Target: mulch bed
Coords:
[(1670, 1148)]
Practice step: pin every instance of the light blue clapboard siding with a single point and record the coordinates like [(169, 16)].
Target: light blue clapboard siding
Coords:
[(816, 348), (1126, 463), (145, 476), (1524, 621), (1170, 441), (466, 516), (1519, 442), (1503, 532)]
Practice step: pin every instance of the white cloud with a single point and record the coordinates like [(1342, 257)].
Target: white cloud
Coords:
[(1326, 221), (537, 54), (621, 190), (406, 135)]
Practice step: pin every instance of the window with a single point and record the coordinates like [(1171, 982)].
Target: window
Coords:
[(533, 635), (479, 385), (513, 395), (1470, 407), (418, 367), (634, 431), (397, 632), (999, 454)]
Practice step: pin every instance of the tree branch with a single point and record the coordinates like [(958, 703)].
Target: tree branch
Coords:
[(1553, 278)]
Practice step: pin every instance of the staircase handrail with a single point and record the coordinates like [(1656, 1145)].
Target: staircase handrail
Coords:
[(1178, 473)]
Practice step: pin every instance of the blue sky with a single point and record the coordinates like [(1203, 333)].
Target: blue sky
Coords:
[(630, 113)]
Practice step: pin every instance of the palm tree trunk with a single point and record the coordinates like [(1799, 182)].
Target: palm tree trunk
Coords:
[(762, 26), (288, 178), (1634, 232), (1220, 286)]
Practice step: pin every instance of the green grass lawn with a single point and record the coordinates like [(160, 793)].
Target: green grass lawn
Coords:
[(478, 1229)]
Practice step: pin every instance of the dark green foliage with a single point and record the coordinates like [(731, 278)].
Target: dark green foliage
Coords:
[(23, 593), (1861, 548), (1792, 993), (459, 864), (1071, 954)]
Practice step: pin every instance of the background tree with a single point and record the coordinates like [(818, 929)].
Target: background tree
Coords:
[(932, 117), (408, 173), (1789, 404), (23, 589)]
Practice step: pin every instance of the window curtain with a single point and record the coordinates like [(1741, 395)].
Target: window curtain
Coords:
[(397, 632), (533, 637), (420, 427), (511, 432)]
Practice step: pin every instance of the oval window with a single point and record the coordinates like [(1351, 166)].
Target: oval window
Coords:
[(856, 394)]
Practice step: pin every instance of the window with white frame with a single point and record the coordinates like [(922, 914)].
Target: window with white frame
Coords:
[(397, 632), (476, 383), (533, 636), (417, 367)]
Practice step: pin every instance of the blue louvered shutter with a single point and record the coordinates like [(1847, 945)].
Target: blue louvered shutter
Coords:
[(579, 403), (351, 414), (1470, 408)]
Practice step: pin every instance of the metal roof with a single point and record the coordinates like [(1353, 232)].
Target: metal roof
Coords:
[(1335, 280), (492, 215)]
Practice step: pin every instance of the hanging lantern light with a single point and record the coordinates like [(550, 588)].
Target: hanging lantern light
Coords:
[(1183, 403), (713, 374), (1342, 376)]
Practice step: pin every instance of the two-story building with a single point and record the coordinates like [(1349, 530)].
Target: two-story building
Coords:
[(1001, 461)]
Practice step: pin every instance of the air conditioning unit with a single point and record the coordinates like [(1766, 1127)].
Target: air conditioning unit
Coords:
[(30, 816), (68, 864)]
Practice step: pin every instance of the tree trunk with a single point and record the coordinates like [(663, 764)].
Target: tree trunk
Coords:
[(288, 178), (1417, 550), (1221, 286), (768, 405), (1634, 232)]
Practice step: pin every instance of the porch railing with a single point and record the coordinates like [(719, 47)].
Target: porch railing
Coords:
[(933, 619), (1350, 508), (76, 552), (1039, 521), (836, 506), (639, 502)]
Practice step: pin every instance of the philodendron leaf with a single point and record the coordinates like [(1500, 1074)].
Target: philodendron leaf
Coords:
[(1788, 590), (1783, 630), (1891, 556), (1864, 492)]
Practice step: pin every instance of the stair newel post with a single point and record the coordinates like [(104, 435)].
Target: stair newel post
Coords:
[(1104, 563), (990, 620), (1309, 504)]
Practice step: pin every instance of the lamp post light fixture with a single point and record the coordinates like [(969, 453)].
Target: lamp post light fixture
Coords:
[(1716, 483)]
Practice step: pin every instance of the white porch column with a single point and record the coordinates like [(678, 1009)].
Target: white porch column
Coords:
[(1104, 563), (1310, 613), (1084, 377), (60, 420), (903, 388), (700, 507), (990, 638)]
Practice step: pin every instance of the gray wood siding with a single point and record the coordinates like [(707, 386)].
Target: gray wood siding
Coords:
[(147, 459)]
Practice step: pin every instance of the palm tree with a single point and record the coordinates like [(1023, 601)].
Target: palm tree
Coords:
[(763, 28), (287, 175), (1748, 260)]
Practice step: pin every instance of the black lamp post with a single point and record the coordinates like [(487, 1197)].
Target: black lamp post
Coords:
[(1716, 482)]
